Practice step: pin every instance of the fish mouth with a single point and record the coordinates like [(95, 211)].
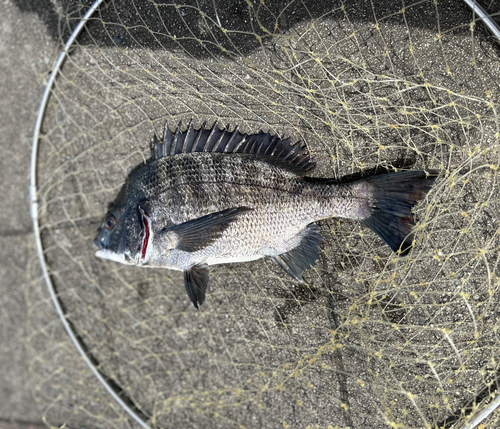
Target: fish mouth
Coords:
[(105, 253), (99, 241), (112, 256)]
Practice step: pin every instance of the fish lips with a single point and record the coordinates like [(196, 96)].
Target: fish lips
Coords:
[(105, 253), (112, 256)]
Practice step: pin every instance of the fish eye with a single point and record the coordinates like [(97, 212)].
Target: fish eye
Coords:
[(110, 222)]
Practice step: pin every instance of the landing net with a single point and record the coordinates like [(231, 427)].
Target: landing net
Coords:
[(370, 340)]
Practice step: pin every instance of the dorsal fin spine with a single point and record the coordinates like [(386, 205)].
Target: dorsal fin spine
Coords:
[(294, 153), (225, 140), (241, 145), (219, 140), (232, 140), (167, 141), (250, 142), (154, 147), (272, 146), (262, 144), (198, 137), (173, 148), (161, 149), (207, 143), (273, 149), (279, 152), (186, 148)]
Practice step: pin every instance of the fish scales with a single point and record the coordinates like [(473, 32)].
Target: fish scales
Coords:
[(188, 210), (283, 204)]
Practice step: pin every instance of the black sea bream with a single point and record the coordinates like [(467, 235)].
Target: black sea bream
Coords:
[(213, 197)]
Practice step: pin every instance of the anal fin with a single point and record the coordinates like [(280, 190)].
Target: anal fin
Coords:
[(196, 280), (304, 256)]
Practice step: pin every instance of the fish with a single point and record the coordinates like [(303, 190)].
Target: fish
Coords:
[(215, 196)]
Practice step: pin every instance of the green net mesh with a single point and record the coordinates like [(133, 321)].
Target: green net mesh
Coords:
[(370, 340)]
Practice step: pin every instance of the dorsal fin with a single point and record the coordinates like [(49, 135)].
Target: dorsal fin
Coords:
[(272, 149)]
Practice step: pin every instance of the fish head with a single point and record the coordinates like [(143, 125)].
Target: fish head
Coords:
[(122, 232)]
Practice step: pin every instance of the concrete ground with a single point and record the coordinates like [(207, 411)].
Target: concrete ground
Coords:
[(27, 53)]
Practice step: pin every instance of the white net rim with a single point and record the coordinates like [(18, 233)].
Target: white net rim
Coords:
[(34, 215)]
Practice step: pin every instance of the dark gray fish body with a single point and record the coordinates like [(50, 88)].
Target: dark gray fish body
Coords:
[(212, 196)]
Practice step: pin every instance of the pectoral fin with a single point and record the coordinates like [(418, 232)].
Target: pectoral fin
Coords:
[(304, 256), (196, 281), (199, 233)]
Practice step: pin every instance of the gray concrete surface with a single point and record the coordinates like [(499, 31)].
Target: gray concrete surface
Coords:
[(19, 425), (26, 54)]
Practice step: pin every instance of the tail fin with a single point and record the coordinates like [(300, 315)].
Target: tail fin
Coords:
[(394, 195)]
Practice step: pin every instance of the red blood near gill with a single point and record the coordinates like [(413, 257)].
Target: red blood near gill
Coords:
[(145, 240)]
